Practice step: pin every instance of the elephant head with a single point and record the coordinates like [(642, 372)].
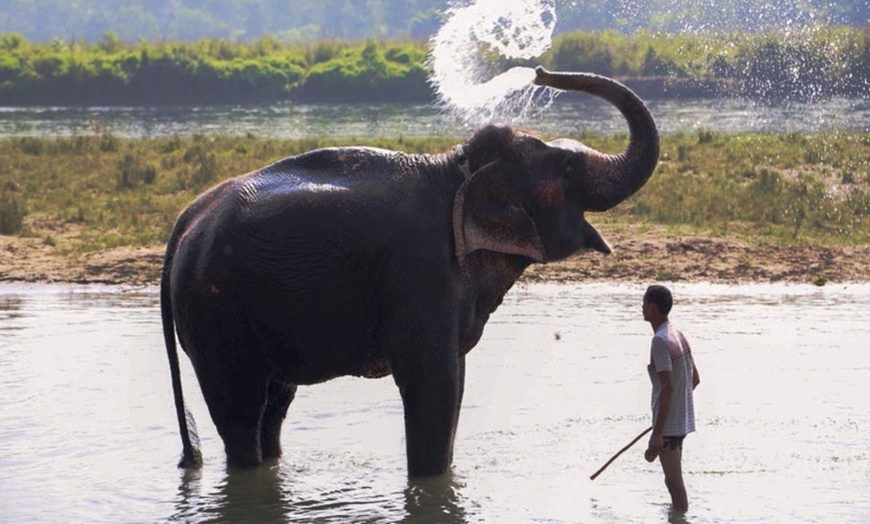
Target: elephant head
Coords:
[(524, 196)]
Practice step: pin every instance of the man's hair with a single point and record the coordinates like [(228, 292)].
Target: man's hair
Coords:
[(660, 296)]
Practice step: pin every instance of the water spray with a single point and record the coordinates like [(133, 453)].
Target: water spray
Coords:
[(476, 37)]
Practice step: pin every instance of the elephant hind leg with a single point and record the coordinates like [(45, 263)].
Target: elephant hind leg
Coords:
[(279, 397), (236, 402)]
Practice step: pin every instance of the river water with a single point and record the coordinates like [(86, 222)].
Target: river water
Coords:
[(567, 116), (555, 387)]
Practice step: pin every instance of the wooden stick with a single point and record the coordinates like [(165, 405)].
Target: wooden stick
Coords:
[(620, 452)]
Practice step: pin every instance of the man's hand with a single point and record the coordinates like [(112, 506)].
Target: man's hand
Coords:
[(656, 443)]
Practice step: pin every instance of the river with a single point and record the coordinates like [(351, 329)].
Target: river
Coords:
[(557, 385), (566, 116)]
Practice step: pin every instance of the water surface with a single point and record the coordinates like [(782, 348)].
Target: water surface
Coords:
[(555, 387), (567, 116)]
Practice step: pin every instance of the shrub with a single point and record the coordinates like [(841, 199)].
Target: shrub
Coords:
[(819, 280), (204, 164), (12, 212), (30, 146), (132, 171)]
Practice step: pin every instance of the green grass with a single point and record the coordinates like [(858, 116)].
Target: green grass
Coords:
[(786, 188), (789, 189)]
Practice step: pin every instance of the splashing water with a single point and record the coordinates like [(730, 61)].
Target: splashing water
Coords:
[(462, 65), (700, 16), (799, 59), (769, 53)]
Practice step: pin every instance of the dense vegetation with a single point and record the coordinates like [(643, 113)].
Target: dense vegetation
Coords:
[(208, 71), (306, 20), (789, 188), (818, 62)]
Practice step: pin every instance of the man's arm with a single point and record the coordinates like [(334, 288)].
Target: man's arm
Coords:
[(664, 402), (656, 441), (696, 378)]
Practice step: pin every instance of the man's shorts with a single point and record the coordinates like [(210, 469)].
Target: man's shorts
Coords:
[(673, 442)]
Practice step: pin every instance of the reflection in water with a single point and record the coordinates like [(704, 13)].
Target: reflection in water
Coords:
[(677, 517), (434, 500), (243, 495), (10, 309), (253, 494), (568, 116), (269, 494), (188, 495), (10, 303)]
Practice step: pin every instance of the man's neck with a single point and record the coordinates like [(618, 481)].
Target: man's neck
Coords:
[(657, 322)]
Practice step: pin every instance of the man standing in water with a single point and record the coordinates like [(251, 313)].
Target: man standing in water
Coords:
[(674, 377)]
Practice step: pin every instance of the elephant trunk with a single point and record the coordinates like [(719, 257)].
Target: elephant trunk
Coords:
[(616, 177)]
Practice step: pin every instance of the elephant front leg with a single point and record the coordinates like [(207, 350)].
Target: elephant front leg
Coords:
[(432, 398), (279, 397)]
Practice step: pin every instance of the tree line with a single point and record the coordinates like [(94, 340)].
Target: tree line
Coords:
[(308, 20), (821, 62)]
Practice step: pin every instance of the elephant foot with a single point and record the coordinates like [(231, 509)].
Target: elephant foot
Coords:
[(249, 458), (271, 448), (242, 447)]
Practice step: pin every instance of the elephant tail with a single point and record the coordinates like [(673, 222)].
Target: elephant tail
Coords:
[(191, 455)]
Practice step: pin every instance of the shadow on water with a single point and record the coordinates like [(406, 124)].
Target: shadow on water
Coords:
[(266, 494)]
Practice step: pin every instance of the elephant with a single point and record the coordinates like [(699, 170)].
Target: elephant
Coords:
[(369, 262)]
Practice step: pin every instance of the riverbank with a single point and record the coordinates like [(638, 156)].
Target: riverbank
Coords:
[(641, 253)]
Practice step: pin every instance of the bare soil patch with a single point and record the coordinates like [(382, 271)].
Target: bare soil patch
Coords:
[(656, 256), (640, 254)]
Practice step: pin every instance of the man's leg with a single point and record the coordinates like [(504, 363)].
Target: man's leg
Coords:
[(671, 460)]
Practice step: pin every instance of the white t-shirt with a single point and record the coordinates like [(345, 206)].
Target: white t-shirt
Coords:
[(670, 351)]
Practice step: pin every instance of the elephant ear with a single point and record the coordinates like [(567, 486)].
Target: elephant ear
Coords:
[(488, 216)]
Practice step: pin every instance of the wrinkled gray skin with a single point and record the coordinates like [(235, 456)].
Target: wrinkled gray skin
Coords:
[(367, 262)]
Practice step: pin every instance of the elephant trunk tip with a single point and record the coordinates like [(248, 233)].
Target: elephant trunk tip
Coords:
[(627, 172)]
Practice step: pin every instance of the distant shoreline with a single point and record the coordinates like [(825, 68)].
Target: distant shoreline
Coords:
[(418, 91)]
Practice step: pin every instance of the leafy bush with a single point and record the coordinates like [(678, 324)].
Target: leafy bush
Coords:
[(366, 74), (595, 53)]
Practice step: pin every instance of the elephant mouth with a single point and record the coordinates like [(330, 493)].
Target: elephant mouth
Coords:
[(592, 239)]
